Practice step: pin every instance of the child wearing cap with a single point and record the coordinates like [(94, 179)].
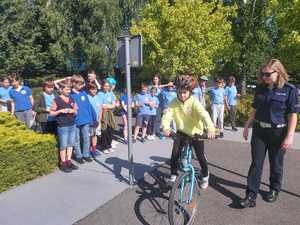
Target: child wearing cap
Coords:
[(217, 95)]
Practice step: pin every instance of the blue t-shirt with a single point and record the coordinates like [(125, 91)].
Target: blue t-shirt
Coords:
[(197, 93), (85, 111), (231, 93), (49, 100), (21, 98), (107, 97), (168, 96), (96, 102), (156, 102), (217, 95), (4, 95), (143, 100)]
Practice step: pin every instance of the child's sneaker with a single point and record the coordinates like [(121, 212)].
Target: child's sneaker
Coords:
[(106, 151), (64, 167), (204, 182), (71, 165), (173, 178), (143, 140), (111, 150), (153, 137)]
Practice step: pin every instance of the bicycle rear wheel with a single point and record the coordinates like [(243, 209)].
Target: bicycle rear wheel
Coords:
[(181, 211)]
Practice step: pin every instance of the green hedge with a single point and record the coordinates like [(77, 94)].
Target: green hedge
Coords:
[(243, 110), (24, 154)]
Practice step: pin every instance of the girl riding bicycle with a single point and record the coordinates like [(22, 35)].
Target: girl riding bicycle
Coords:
[(191, 119)]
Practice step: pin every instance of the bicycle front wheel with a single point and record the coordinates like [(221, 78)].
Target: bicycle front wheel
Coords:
[(181, 209)]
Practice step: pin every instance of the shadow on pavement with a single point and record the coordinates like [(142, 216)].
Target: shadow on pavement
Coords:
[(151, 207), (261, 192)]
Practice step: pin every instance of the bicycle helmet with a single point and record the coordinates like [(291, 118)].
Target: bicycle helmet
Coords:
[(185, 82)]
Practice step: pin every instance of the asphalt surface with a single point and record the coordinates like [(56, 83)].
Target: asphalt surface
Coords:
[(146, 202)]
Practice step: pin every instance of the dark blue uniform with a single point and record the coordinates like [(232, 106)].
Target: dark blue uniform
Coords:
[(269, 130)]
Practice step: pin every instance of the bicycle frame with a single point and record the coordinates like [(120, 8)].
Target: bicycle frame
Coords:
[(186, 166)]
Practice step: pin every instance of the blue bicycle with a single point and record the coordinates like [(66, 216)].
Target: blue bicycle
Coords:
[(183, 200)]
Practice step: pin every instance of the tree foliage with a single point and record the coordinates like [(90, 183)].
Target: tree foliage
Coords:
[(185, 36)]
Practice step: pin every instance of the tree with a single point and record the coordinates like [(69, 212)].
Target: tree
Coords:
[(185, 36)]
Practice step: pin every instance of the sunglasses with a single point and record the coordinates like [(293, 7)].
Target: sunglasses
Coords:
[(266, 74)]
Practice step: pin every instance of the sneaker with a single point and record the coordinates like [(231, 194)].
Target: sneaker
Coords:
[(94, 154), (106, 151), (153, 137), (221, 134), (79, 160), (71, 165), (143, 140), (173, 178), (87, 159), (111, 150), (204, 182), (64, 167), (149, 138), (126, 142)]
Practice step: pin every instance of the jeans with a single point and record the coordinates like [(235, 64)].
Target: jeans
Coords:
[(66, 136), (82, 134)]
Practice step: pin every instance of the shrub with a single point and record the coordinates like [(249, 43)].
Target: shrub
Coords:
[(24, 154)]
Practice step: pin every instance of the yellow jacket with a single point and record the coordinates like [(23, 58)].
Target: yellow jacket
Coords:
[(190, 117)]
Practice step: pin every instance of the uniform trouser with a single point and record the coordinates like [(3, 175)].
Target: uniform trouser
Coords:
[(218, 115), (232, 115), (157, 121), (105, 139), (263, 140), (151, 125), (199, 150), (25, 116)]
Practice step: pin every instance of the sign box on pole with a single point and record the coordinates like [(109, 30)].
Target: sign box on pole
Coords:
[(135, 48)]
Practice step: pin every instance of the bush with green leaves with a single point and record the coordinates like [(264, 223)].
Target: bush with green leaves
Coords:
[(24, 154)]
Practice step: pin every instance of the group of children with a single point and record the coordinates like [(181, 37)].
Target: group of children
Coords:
[(81, 112)]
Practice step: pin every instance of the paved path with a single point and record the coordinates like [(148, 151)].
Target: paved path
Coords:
[(63, 199), (146, 204)]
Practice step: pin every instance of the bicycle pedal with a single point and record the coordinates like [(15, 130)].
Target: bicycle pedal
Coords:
[(192, 205)]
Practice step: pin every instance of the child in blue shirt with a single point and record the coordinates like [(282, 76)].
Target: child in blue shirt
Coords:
[(231, 100), (107, 119), (154, 104), (96, 103), (4, 95), (22, 101), (142, 103), (85, 118), (217, 95)]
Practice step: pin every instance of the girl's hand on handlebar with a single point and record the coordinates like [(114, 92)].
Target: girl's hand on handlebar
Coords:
[(167, 133), (210, 135)]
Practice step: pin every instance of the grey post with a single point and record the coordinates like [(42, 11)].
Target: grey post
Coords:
[(129, 111)]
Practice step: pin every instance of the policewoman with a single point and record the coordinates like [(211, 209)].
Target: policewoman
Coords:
[(274, 119)]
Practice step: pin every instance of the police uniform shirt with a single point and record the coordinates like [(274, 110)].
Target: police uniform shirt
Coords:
[(273, 105)]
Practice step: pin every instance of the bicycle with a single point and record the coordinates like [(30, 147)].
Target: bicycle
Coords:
[(183, 200)]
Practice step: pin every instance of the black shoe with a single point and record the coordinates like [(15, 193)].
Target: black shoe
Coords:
[(221, 134), (248, 202), (79, 160), (64, 168), (87, 159), (71, 165), (143, 140), (272, 196), (234, 129)]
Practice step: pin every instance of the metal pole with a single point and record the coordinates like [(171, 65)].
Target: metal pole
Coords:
[(129, 111)]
